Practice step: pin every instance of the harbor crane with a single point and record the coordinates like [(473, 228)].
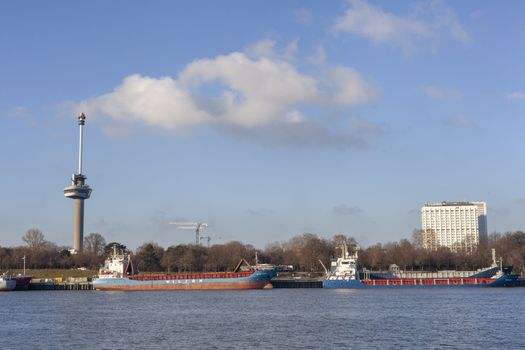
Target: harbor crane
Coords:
[(197, 226)]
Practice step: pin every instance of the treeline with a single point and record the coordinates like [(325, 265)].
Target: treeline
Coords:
[(40, 253), (410, 255), (303, 252)]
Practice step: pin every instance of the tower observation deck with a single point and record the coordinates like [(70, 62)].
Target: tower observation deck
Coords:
[(78, 191)]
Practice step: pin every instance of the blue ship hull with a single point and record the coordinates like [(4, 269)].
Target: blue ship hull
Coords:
[(257, 280), (341, 284)]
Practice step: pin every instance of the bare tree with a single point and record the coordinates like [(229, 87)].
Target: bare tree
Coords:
[(94, 243), (110, 247), (417, 238), (149, 256), (34, 238), (171, 258), (275, 253), (339, 239)]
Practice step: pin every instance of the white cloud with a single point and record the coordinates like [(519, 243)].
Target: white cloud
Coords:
[(252, 92), (239, 94), (294, 116), (440, 17), (347, 87), (262, 48), (162, 102), (406, 32), (291, 50), (318, 57), (516, 95), (461, 121), (379, 26), (439, 93), (267, 48)]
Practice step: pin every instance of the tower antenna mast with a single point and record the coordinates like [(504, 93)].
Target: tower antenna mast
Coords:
[(79, 191)]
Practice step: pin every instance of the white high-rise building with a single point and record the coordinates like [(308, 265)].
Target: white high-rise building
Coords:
[(457, 225)]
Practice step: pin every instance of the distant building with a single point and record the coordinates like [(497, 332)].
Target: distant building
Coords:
[(457, 225)]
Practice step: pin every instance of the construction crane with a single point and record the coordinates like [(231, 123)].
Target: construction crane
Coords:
[(197, 226)]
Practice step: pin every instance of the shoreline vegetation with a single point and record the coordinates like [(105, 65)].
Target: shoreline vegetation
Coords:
[(44, 259)]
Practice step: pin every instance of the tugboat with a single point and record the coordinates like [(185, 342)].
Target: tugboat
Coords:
[(343, 274)]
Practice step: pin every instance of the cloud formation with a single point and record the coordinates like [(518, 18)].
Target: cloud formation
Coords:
[(318, 57), (259, 95), (441, 18), (405, 32)]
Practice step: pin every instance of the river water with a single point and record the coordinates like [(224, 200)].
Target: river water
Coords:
[(420, 318)]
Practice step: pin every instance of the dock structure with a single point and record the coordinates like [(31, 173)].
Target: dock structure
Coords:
[(82, 283), (60, 286), (297, 283)]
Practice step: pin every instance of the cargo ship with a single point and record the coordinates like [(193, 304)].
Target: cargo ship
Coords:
[(343, 274), (120, 273)]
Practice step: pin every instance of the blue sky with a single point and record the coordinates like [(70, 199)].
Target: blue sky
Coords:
[(263, 119)]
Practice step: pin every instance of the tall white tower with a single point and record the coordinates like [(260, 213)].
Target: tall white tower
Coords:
[(78, 191)]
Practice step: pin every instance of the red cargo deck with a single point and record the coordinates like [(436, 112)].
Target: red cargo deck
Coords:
[(428, 281), (194, 276)]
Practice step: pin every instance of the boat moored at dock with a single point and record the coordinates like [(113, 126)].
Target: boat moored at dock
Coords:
[(343, 274), (120, 273)]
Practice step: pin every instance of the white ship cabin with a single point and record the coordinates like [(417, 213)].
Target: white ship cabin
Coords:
[(343, 268), (118, 266)]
